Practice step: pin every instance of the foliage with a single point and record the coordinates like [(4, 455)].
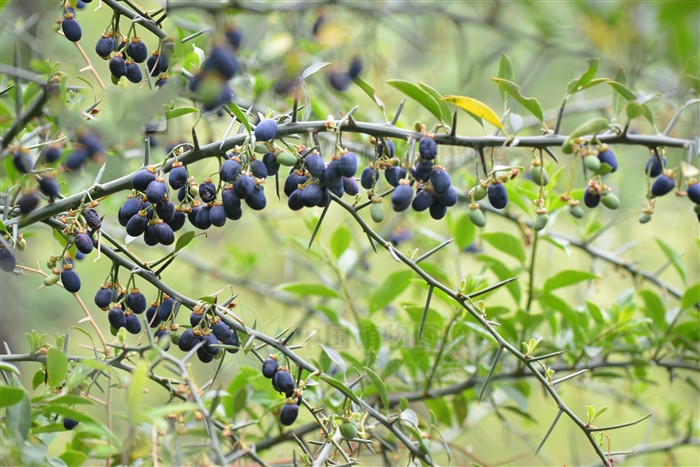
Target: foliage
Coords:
[(384, 336)]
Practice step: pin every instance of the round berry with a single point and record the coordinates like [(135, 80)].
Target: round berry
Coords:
[(104, 296), (348, 430), (162, 335), (422, 171), (498, 197), (116, 317), (283, 380), (156, 190), (69, 423), (131, 207), (311, 195), (229, 170), (440, 180), (427, 147), (368, 177), (8, 262), (117, 66), (70, 279), (178, 220), (654, 167), (136, 301), (76, 158), (71, 28), (178, 176), (608, 161), (423, 200), (694, 193), (339, 80), (165, 309), (402, 197), (296, 200), (188, 340), (265, 130), (355, 67), (149, 235), (21, 161), (137, 50), (133, 72), (234, 341), (132, 323), (104, 46), (272, 165), (258, 169), (143, 178), (350, 186), (211, 344), (137, 224), (53, 153), (165, 211), (83, 242), (315, 165), (256, 201), (207, 191), (591, 197), (230, 202), (49, 186), (196, 317), (348, 164), (152, 316), (289, 414), (244, 186), (92, 218), (388, 151), (437, 210), (28, 202), (222, 331), (662, 185), (202, 220), (217, 215), (223, 61), (204, 356), (269, 367)]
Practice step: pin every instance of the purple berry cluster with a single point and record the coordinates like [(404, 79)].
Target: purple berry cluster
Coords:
[(213, 334), (210, 84), (283, 382)]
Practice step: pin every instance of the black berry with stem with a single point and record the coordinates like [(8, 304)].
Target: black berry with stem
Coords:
[(427, 148), (368, 177), (149, 235), (311, 195), (70, 279), (296, 200), (178, 175), (229, 170), (117, 66), (387, 151), (269, 367), (348, 164), (104, 296), (188, 339), (265, 130), (498, 196), (283, 380), (116, 317), (211, 344), (663, 185), (222, 60), (350, 186), (402, 197), (178, 220), (315, 165), (48, 185), (202, 220), (137, 50), (207, 190), (133, 72), (28, 202), (217, 215), (196, 317), (71, 28), (608, 161), (76, 158), (258, 168), (8, 262), (244, 186), (53, 153), (437, 210), (355, 67), (653, 166), (83, 242), (293, 180), (154, 63), (156, 190), (204, 356), (165, 211), (165, 308), (423, 200), (132, 323), (230, 201), (92, 218), (222, 331), (137, 224), (339, 80), (69, 423), (142, 178), (289, 414), (234, 342), (449, 198), (131, 206), (20, 159), (136, 301), (257, 200), (591, 197), (440, 180), (271, 164), (104, 46)]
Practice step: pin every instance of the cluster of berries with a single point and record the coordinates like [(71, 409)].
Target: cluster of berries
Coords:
[(214, 334), (210, 84), (340, 80), (310, 180), (283, 382)]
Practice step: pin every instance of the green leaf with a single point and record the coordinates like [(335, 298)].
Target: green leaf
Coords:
[(335, 357), (417, 94), (240, 116), (507, 243), (342, 388), (18, 417), (463, 230), (179, 112), (567, 278), (370, 338), (530, 103), (591, 127), (310, 70), (617, 102), (340, 241), (444, 109), (57, 366), (654, 309), (308, 288), (7, 366), (502, 272), (136, 387), (674, 258), (73, 458), (379, 385), (184, 240), (389, 290), (691, 297), (505, 72), (476, 108), (10, 396), (369, 90), (583, 81), (60, 238), (625, 92)]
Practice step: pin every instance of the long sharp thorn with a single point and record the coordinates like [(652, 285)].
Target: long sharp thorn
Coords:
[(483, 160), (491, 371), (434, 250), (551, 427), (425, 311), (318, 226), (493, 287)]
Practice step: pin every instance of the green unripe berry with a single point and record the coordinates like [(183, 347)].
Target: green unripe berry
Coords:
[(644, 218), (539, 175), (540, 222), (477, 217), (376, 210), (592, 163), (348, 430), (610, 201), (286, 159), (576, 211), (478, 192), (51, 279)]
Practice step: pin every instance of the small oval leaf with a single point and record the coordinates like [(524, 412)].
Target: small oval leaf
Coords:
[(477, 108)]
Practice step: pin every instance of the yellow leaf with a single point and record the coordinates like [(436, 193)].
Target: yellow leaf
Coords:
[(476, 108)]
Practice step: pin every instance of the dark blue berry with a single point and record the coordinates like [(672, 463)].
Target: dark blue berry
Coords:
[(137, 50), (293, 180), (49, 186), (152, 64), (271, 164), (178, 221), (591, 197), (217, 215), (207, 191), (130, 207), (132, 323), (289, 414), (8, 262), (315, 165), (137, 224), (450, 198), (269, 367), (142, 179), (71, 28), (427, 147), (28, 202), (256, 201), (117, 66), (178, 175), (230, 201), (116, 317), (229, 170), (498, 197), (441, 181), (165, 210), (133, 72), (21, 161), (201, 220), (163, 233), (149, 235), (350, 186), (355, 67), (258, 168), (195, 318), (244, 186), (311, 195), (388, 151), (662, 185), (70, 279), (234, 341), (223, 61), (296, 200), (438, 210), (164, 336), (423, 200), (76, 158), (69, 423), (104, 296), (204, 356), (52, 153), (608, 157), (165, 309), (136, 301), (188, 340), (402, 197), (234, 37), (104, 46), (332, 174), (339, 80), (222, 331), (283, 381), (211, 344), (653, 166), (368, 177), (265, 130), (694, 193), (83, 242), (152, 317), (92, 218), (155, 191), (348, 164)]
